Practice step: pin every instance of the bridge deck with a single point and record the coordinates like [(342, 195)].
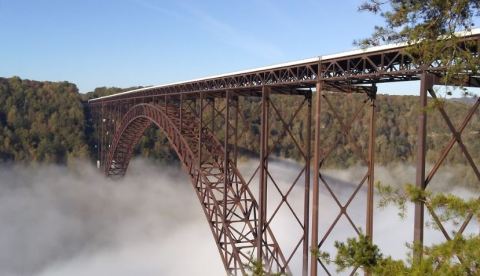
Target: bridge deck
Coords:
[(363, 66)]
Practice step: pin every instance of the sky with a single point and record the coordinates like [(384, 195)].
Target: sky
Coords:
[(126, 43)]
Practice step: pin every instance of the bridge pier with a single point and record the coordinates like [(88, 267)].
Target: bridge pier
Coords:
[(262, 194), (306, 212), (426, 83), (371, 164), (322, 152), (316, 182)]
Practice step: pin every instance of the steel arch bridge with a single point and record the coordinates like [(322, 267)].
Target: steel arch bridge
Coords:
[(204, 121)]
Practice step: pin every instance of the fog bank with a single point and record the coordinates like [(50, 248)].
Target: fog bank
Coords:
[(57, 221), (61, 221)]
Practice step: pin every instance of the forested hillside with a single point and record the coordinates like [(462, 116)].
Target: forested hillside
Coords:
[(40, 121), (48, 122)]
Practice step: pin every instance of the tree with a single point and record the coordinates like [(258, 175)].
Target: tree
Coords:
[(40, 121), (458, 256), (431, 30)]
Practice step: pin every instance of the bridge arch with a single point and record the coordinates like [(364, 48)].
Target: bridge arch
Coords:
[(132, 128), (229, 206)]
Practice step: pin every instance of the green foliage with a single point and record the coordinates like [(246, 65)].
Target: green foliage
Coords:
[(357, 253), (257, 269), (41, 121), (321, 255), (430, 28), (389, 195), (459, 256), (48, 122), (155, 146), (449, 207), (413, 21)]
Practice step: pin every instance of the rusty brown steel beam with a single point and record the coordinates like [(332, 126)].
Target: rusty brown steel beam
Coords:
[(371, 168), (235, 131), (452, 142), (306, 209), (200, 129), (342, 86), (181, 112), (457, 136), (345, 126), (427, 80), (362, 67), (225, 163), (316, 180), (263, 174), (102, 131), (287, 120)]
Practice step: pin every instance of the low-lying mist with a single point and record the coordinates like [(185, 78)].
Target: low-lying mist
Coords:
[(73, 221), (59, 221)]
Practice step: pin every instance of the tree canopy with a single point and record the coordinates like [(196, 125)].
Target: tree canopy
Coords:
[(41, 121), (431, 28)]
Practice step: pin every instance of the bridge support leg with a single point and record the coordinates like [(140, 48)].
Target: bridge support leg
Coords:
[(371, 169), (211, 102), (200, 129), (306, 210), (426, 82), (180, 113), (371, 166), (316, 172), (262, 198), (102, 134), (225, 168), (235, 130)]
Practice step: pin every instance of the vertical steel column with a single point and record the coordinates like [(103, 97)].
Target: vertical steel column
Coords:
[(426, 82), (316, 173), (225, 170), (102, 133), (235, 130), (212, 103), (306, 210), (181, 113), (200, 129), (371, 166), (262, 199), (97, 119), (165, 103)]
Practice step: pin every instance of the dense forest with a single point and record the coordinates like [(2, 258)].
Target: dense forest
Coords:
[(49, 122), (41, 121)]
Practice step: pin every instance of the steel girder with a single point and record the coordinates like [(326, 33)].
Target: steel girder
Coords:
[(384, 65)]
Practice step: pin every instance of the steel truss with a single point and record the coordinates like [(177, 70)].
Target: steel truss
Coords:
[(428, 80), (205, 123), (323, 151), (204, 132)]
